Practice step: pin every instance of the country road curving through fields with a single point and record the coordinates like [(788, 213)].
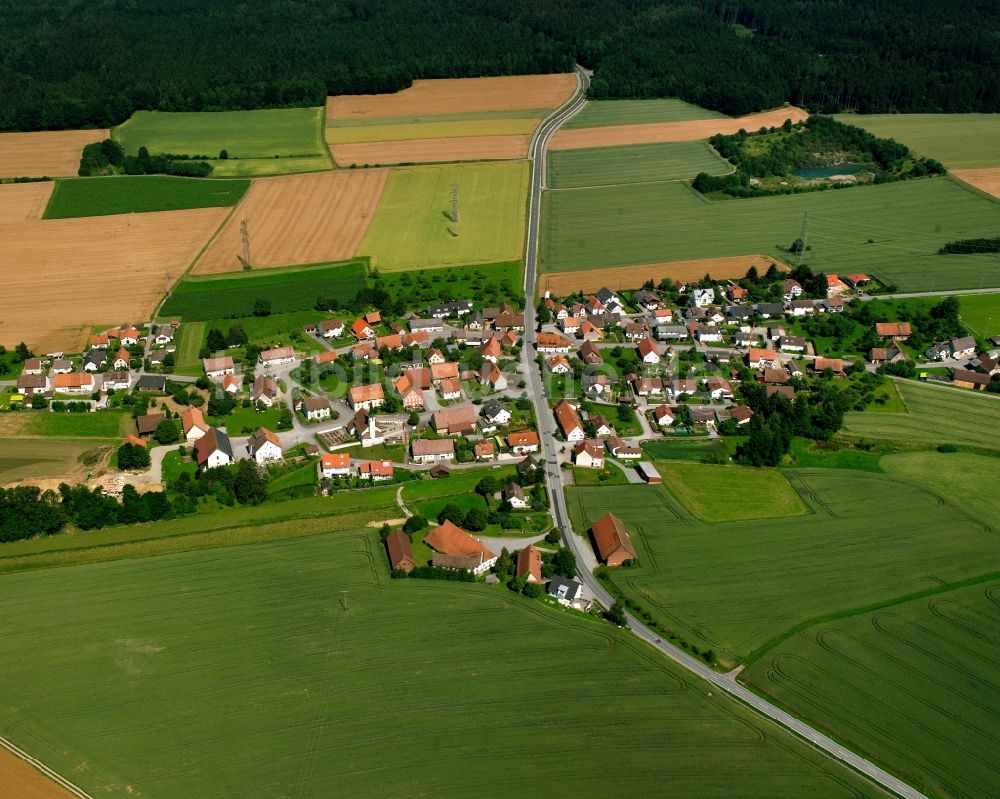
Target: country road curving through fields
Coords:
[(584, 554)]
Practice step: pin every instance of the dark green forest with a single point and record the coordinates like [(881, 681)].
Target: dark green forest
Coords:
[(78, 63)]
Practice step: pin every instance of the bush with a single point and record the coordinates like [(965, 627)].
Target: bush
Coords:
[(552, 537), (947, 448), (132, 456), (415, 524)]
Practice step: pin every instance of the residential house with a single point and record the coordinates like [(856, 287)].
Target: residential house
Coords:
[(264, 446), (490, 350), (429, 450), (791, 289), (964, 378), (646, 301), (495, 413), (833, 305), (362, 330), (444, 371), (570, 325), (364, 351), (836, 365), (523, 442), (565, 590), (597, 385), (514, 494), (529, 564), (569, 421), (835, 286), (129, 337), (609, 300), (335, 464), (792, 344), (649, 353), (774, 376), (490, 375), (682, 387), (856, 281), (31, 384), (62, 366), (31, 366), (315, 408), (397, 544), (213, 449), (454, 421), (450, 389), (590, 354), (897, 331), (589, 331), (325, 357), (331, 328), (485, 450), (279, 356), (939, 351), (528, 466), (158, 358), (457, 308), (743, 338), (456, 549), (718, 388), (708, 334), (964, 347), (73, 383), (392, 342), (743, 413), (803, 307), (622, 449), (119, 380), (647, 386), (416, 326), (193, 424), (162, 334), (366, 397), (738, 314), (770, 310), (589, 454), (612, 541), (231, 385), (558, 364), (702, 298), (763, 359), (99, 341), (663, 416), (882, 355), (264, 391), (671, 332), (218, 367), (94, 360), (376, 471), (122, 359), (602, 427), (154, 383), (788, 392), (419, 339), (552, 342)]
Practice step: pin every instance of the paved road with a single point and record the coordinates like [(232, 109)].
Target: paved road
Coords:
[(912, 294), (582, 549)]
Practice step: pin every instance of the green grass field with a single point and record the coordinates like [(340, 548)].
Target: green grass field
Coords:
[(487, 283), (935, 415), (290, 289), (238, 672), (739, 587), (188, 341), (906, 223), (599, 113), (959, 141), (728, 493), (412, 227), (981, 313), (915, 685), (681, 449), (263, 142), (25, 459), (102, 424), (139, 194), (250, 419), (638, 163)]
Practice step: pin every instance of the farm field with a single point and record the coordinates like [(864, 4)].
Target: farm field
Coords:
[(981, 313), (105, 424), (33, 459), (48, 153), (457, 96), (71, 263), (447, 129), (489, 282), (598, 113), (639, 163), (726, 493), (959, 141), (935, 415), (986, 180), (18, 778), (420, 151), (915, 685), (21, 202), (687, 130), (297, 220), (139, 194), (739, 587), (259, 697), (893, 230), (412, 226), (201, 298), (630, 277), (254, 140)]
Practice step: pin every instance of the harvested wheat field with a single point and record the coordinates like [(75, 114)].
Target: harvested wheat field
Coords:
[(429, 151), (457, 96), (20, 202), (62, 276), (632, 277), (987, 180), (18, 778), (302, 219), (47, 153), (691, 130)]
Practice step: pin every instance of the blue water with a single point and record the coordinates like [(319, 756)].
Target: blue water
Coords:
[(827, 171)]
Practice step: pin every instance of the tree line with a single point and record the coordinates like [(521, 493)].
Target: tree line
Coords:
[(94, 64)]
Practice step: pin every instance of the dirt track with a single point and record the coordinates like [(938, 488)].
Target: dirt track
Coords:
[(457, 96), (649, 133), (300, 219), (632, 277), (63, 275), (987, 180), (21, 780), (20, 202), (426, 151), (51, 153)]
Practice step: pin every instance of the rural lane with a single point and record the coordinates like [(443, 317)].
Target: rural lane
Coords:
[(580, 546)]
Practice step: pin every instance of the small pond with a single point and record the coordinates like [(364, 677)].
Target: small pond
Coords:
[(815, 173)]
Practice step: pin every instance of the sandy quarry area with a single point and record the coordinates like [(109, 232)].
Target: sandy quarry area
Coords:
[(457, 96), (301, 219), (428, 151), (987, 180), (47, 153), (632, 277), (649, 133), (20, 202), (62, 276)]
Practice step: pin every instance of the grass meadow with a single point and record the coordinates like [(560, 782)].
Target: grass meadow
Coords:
[(238, 672), (262, 142), (486, 283), (981, 313), (202, 298), (935, 415), (892, 230), (412, 227), (599, 113), (639, 163), (959, 141), (139, 194), (103, 424)]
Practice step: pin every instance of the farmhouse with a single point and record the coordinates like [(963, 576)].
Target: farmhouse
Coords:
[(32, 366), (155, 383), (589, 454), (32, 384), (277, 357), (458, 308), (213, 449), (366, 397), (622, 449), (551, 343), (412, 398), (444, 371), (264, 446), (426, 450), (425, 326), (671, 332), (454, 421), (836, 365), (193, 423), (325, 357), (897, 331), (331, 328), (315, 408), (376, 471), (882, 355), (148, 422), (529, 564), (524, 442), (397, 544), (218, 367), (75, 383), (460, 550), (612, 541), (569, 421), (393, 342), (335, 464), (964, 347), (264, 391), (964, 378)]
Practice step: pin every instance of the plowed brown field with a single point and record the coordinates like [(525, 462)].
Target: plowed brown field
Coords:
[(302, 219), (23, 201), (63, 275), (52, 153), (987, 180), (457, 96), (21, 780), (614, 135), (428, 151), (632, 277)]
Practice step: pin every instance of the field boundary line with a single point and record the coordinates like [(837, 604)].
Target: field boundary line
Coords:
[(40, 766)]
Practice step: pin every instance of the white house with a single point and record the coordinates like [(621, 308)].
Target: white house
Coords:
[(193, 424), (264, 446), (315, 408), (335, 464), (213, 449), (702, 298), (514, 494), (218, 367), (589, 455), (648, 351)]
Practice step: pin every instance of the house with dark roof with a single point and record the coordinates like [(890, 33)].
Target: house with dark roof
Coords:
[(213, 449)]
